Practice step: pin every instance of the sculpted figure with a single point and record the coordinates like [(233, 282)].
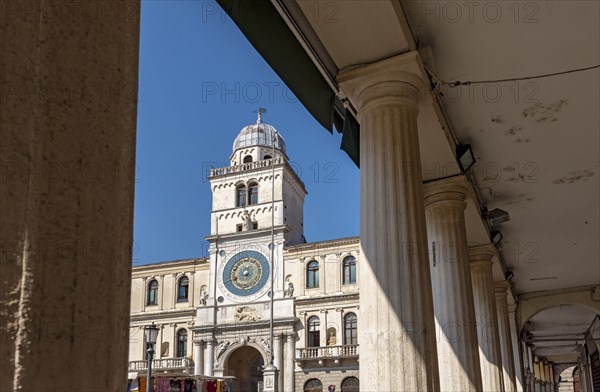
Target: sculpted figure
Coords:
[(289, 288), (203, 296)]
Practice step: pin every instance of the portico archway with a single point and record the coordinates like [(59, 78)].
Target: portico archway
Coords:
[(245, 364)]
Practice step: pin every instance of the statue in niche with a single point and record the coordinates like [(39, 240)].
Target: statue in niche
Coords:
[(246, 220), (288, 290), (203, 296), (331, 337)]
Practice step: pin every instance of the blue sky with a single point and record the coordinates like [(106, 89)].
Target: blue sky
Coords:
[(200, 82)]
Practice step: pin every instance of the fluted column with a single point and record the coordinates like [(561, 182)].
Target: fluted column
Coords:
[(289, 378), (506, 349), (198, 357), (396, 325), (485, 313), (458, 352), (278, 358), (209, 357)]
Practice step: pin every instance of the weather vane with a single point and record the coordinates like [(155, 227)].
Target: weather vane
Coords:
[(260, 112)]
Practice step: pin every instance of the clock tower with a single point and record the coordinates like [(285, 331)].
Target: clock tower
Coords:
[(257, 197), (257, 209)]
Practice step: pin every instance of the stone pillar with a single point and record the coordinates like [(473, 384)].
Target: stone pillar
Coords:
[(458, 352), (209, 358), (506, 348), (67, 162), (161, 290), (516, 346), (198, 357), (270, 378), (278, 357), (537, 387), (396, 325), (485, 313), (324, 326), (289, 381), (532, 367)]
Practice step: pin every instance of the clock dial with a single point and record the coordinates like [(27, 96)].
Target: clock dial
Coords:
[(245, 274)]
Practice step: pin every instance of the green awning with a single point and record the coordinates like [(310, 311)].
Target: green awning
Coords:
[(266, 30), (351, 138), (262, 25)]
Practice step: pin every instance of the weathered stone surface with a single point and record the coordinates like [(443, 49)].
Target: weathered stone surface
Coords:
[(67, 155)]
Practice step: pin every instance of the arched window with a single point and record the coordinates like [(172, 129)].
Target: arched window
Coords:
[(313, 385), (240, 196), (152, 295), (267, 157), (248, 159), (314, 332), (350, 329), (182, 343), (349, 264), (183, 289), (350, 384), (312, 275), (253, 193)]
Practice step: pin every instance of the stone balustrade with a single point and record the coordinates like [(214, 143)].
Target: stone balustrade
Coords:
[(245, 166), (162, 364), (310, 353)]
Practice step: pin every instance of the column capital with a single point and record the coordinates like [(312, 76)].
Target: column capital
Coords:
[(290, 337), (482, 254), (398, 80), (447, 190), (501, 287)]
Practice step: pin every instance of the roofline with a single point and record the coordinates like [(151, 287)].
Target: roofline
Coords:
[(322, 244), (196, 260)]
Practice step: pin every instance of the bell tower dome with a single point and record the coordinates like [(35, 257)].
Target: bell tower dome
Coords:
[(256, 142)]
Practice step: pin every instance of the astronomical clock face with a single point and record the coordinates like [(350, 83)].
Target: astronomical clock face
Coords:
[(244, 276)]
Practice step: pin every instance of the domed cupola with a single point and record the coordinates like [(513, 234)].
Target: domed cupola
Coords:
[(256, 141)]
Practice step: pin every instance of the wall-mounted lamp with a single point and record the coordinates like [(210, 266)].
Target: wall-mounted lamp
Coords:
[(497, 216), (465, 157), (495, 237), (509, 275)]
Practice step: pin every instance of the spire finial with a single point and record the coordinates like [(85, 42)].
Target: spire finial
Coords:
[(260, 112)]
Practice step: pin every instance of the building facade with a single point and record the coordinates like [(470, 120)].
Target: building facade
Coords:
[(214, 313)]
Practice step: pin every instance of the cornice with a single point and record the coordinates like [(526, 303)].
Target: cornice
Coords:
[(201, 261), (321, 244)]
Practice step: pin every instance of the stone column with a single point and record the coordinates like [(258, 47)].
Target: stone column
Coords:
[(324, 328), (506, 348), (289, 381), (532, 367), (396, 325), (161, 290), (278, 357), (209, 358), (518, 364), (458, 352), (198, 357), (67, 149), (144, 294), (485, 313)]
